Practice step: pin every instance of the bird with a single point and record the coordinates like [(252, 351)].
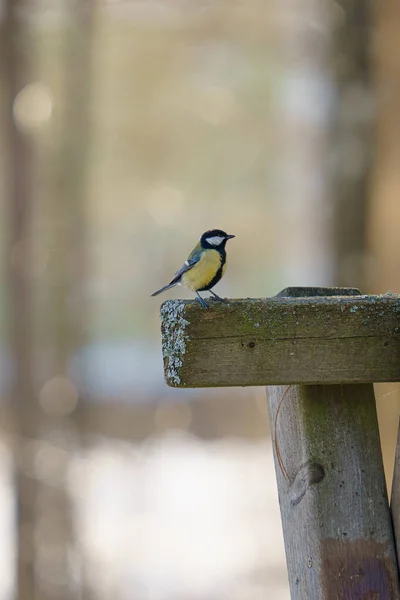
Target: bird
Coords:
[(204, 266)]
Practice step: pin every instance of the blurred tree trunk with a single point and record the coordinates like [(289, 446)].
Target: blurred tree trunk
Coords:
[(385, 207), (45, 536), (64, 305), (352, 138), (304, 196), (66, 206), (16, 69), (328, 135)]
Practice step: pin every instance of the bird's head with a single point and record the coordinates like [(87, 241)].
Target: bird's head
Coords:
[(215, 239)]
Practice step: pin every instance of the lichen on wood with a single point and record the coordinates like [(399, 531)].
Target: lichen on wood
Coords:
[(174, 338), (270, 341)]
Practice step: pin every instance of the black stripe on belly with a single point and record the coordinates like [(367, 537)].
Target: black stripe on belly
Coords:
[(217, 276)]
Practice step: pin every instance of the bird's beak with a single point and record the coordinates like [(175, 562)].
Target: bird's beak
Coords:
[(229, 237)]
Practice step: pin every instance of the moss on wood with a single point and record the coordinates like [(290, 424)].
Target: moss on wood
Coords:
[(338, 339)]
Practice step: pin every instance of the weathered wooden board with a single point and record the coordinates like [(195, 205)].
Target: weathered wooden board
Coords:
[(310, 340), (335, 514), (395, 498)]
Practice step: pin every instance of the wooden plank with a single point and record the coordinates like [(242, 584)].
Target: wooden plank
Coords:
[(310, 340), (308, 292), (335, 515), (395, 498)]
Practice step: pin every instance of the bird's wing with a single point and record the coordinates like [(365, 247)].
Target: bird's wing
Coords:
[(193, 259)]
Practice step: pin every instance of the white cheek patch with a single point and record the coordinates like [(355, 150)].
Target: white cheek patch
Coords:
[(216, 240)]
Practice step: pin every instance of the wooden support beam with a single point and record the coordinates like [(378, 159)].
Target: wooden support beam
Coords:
[(309, 340), (332, 492), (334, 508), (395, 498)]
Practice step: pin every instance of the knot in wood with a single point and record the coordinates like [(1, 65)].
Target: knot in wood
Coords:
[(308, 475)]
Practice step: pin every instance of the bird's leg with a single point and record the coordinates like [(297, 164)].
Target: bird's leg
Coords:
[(217, 297), (201, 300)]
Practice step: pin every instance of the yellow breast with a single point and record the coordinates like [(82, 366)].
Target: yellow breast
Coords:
[(203, 272)]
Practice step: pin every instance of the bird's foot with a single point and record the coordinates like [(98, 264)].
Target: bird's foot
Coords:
[(201, 300), (217, 297)]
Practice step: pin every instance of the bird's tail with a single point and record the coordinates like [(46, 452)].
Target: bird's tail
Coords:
[(166, 287)]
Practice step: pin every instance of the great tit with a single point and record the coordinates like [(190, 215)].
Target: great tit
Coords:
[(204, 267)]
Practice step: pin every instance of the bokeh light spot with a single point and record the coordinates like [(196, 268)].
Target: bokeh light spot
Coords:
[(33, 106), (58, 396)]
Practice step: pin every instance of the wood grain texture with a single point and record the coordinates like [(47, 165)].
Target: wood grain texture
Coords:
[(335, 515), (395, 498), (310, 340)]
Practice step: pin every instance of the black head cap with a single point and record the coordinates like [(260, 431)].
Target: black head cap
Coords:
[(215, 238)]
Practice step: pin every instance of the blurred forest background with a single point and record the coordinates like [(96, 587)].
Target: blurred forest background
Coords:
[(127, 128)]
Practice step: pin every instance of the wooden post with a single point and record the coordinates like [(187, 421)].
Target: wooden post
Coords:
[(336, 521), (335, 514), (332, 492), (395, 498)]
